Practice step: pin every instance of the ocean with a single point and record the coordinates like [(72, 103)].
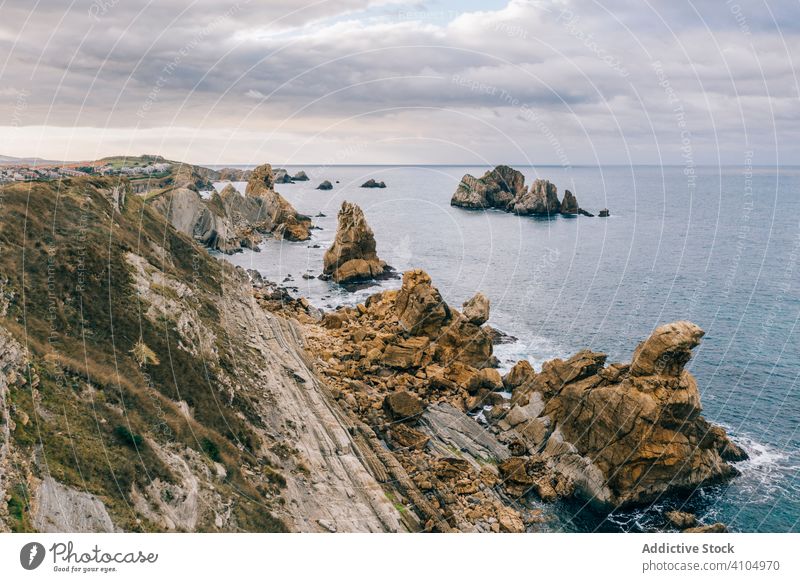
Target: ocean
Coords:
[(717, 246)]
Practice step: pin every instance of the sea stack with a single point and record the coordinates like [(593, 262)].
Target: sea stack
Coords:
[(569, 205), (540, 200), (286, 221), (353, 256), (497, 188), (504, 188), (326, 185)]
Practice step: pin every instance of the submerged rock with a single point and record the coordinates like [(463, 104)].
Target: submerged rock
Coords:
[(624, 434), (353, 256)]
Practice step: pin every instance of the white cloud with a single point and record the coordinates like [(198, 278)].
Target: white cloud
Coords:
[(413, 82)]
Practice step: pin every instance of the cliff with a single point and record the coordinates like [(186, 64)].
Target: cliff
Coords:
[(229, 221), (155, 393)]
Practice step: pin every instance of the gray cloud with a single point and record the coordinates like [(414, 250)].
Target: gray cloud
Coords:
[(292, 81)]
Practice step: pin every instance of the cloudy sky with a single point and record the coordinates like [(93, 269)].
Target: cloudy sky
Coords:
[(376, 81)]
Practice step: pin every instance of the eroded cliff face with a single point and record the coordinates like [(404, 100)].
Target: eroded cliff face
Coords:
[(157, 393)]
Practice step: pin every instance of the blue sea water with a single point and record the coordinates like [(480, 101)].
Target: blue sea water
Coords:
[(717, 246)]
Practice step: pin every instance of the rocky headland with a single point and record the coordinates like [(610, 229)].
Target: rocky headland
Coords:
[(353, 257), (503, 188), (229, 221)]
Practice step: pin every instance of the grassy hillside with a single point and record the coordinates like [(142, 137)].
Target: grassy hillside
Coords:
[(106, 379)]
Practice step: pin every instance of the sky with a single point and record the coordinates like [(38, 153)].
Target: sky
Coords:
[(565, 82)]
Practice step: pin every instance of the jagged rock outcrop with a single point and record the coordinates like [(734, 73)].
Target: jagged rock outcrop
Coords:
[(229, 221), (300, 176), (285, 221), (497, 188), (540, 200), (353, 256), (476, 309), (504, 188), (569, 205), (281, 176), (325, 185), (405, 364), (233, 175), (206, 223), (624, 434), (371, 183)]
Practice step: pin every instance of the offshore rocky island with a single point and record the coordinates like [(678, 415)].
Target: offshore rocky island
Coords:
[(146, 385)]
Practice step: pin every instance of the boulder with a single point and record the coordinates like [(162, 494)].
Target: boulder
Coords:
[(352, 256), (540, 200), (667, 350), (495, 189), (521, 374), (569, 205), (300, 176), (419, 306), (680, 519), (405, 354), (624, 434), (491, 379), (371, 183), (476, 310), (326, 185), (402, 406)]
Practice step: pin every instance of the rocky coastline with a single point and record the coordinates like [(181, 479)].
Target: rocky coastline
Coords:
[(422, 374), (390, 415)]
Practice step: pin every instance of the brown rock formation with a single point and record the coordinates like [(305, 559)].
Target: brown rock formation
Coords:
[(569, 205), (285, 220), (497, 188), (476, 310), (624, 434), (540, 200), (352, 256)]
